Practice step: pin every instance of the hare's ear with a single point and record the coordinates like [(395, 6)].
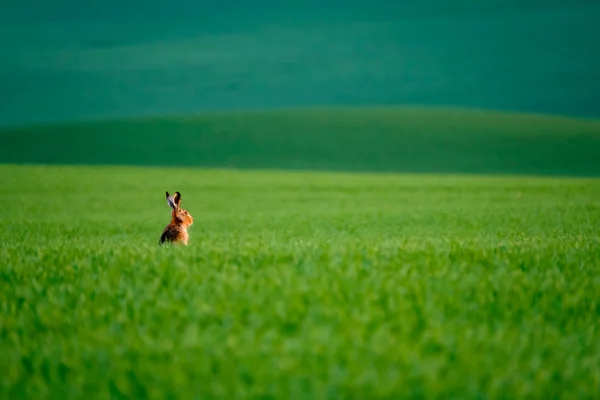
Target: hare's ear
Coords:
[(170, 201), (177, 199)]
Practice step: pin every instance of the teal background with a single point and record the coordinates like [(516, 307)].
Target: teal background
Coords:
[(66, 60)]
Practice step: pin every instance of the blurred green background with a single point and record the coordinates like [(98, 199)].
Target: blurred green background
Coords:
[(204, 77), (63, 60)]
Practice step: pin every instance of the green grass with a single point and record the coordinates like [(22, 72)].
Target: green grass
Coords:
[(393, 139), (297, 285)]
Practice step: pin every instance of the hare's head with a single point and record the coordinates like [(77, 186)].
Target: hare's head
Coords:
[(179, 215)]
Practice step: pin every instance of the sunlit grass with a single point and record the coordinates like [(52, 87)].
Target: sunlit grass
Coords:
[(297, 285)]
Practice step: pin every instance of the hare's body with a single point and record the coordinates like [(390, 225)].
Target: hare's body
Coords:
[(176, 231)]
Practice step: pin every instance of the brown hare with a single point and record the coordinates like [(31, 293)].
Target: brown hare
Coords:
[(176, 231)]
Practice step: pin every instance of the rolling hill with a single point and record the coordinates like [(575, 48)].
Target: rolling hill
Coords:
[(382, 139)]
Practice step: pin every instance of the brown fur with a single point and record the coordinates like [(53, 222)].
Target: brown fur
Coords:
[(176, 231)]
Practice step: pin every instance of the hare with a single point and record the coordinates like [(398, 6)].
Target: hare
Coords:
[(176, 231)]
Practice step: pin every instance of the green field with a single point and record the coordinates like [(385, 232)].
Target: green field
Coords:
[(303, 284), (297, 285), (392, 199)]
